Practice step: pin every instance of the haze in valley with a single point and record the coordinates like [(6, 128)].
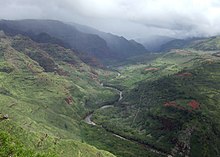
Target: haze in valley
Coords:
[(129, 18)]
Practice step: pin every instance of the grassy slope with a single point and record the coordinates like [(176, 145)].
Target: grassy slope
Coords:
[(209, 44), (180, 76), (46, 91), (45, 100), (164, 64)]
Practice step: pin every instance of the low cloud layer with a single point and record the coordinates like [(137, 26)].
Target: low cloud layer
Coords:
[(133, 19)]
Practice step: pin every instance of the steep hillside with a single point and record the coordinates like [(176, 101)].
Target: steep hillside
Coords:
[(46, 92), (121, 47), (91, 44), (172, 104), (53, 104), (203, 44), (176, 44), (208, 44), (101, 45), (43, 91)]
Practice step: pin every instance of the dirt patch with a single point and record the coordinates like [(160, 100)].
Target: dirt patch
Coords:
[(69, 100), (151, 69), (194, 104), (183, 52), (173, 104), (185, 74)]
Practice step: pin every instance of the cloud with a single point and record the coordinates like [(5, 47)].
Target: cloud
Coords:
[(139, 18)]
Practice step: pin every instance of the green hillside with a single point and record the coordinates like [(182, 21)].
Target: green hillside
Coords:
[(170, 103), (44, 96), (209, 44), (203, 44)]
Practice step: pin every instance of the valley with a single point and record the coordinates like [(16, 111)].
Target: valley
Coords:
[(46, 97), (148, 147), (125, 119), (179, 65), (54, 103)]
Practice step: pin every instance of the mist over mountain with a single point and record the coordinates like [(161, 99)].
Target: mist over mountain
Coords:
[(94, 43), (131, 19), (117, 44), (154, 43), (112, 78)]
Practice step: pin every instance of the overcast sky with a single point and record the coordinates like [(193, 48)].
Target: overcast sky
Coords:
[(130, 18)]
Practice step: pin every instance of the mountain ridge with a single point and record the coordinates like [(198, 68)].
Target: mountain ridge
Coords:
[(116, 43), (90, 44)]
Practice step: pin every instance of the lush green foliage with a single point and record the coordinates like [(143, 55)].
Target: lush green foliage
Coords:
[(44, 96), (171, 104), (12, 147)]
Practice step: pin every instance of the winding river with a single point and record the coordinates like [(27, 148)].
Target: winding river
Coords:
[(90, 122), (88, 118)]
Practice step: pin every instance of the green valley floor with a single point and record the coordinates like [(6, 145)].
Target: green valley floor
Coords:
[(53, 104)]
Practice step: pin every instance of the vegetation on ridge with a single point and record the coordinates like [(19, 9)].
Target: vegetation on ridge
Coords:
[(172, 104)]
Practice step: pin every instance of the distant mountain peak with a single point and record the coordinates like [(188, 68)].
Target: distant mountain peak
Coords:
[(94, 43)]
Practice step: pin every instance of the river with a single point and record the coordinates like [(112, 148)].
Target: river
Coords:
[(90, 122), (88, 118)]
